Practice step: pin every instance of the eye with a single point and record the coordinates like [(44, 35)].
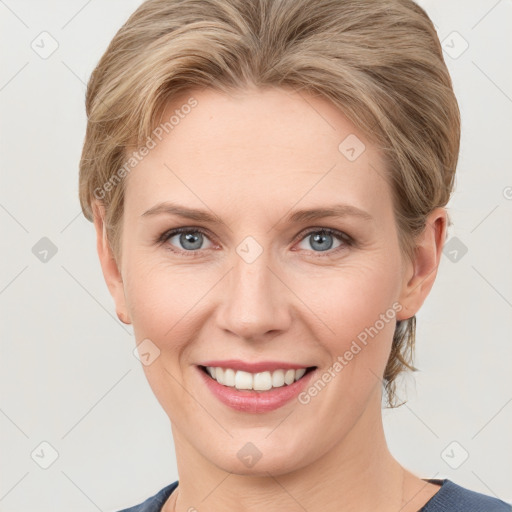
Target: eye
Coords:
[(323, 239), (190, 240), (185, 239)]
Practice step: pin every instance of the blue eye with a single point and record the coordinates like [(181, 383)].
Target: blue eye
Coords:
[(323, 239), (187, 238), (189, 241)]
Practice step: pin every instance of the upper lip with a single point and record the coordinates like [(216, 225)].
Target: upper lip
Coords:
[(254, 367)]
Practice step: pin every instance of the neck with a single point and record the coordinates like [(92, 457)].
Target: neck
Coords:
[(357, 474)]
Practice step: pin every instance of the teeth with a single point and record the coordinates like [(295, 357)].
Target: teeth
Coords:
[(289, 377), (299, 373), (278, 379), (229, 377), (243, 380), (261, 381)]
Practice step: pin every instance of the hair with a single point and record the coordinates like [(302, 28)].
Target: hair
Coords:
[(379, 62)]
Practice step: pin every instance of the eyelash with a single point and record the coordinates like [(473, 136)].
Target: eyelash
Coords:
[(340, 235)]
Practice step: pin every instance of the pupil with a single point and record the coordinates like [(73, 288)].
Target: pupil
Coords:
[(195, 240), (320, 238)]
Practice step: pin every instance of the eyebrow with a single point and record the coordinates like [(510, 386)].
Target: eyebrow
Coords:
[(305, 215)]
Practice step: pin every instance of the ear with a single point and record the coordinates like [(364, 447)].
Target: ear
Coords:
[(109, 266), (421, 272)]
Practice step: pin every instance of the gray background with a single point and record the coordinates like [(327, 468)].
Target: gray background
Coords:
[(68, 376)]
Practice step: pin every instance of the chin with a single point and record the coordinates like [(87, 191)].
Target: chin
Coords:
[(261, 458)]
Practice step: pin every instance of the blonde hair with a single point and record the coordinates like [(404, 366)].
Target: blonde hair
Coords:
[(379, 61)]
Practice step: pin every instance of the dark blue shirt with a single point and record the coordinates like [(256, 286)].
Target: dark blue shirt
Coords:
[(450, 498)]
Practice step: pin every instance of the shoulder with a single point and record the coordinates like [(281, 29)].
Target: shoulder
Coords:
[(154, 503), (454, 498)]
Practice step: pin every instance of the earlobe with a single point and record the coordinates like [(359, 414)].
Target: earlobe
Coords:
[(111, 272), (422, 270)]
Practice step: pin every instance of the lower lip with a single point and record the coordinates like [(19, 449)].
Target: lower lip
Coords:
[(256, 401)]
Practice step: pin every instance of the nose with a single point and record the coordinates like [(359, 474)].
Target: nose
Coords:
[(255, 304)]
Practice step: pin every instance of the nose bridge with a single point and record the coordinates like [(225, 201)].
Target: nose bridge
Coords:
[(255, 301)]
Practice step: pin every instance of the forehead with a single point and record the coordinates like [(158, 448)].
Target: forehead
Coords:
[(274, 144)]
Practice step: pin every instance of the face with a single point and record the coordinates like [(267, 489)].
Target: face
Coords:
[(252, 286)]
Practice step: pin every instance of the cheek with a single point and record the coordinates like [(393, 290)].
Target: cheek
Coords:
[(351, 297), (342, 301), (163, 305), (355, 317), (161, 298)]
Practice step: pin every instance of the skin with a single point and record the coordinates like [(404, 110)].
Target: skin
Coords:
[(250, 158)]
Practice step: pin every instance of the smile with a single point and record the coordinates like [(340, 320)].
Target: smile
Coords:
[(260, 391), (261, 381)]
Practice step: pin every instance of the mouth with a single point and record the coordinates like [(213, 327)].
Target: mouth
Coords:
[(261, 382), (255, 386)]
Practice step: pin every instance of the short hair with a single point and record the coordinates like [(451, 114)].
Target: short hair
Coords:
[(379, 61)]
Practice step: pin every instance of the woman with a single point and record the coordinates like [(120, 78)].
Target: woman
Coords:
[(267, 180)]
